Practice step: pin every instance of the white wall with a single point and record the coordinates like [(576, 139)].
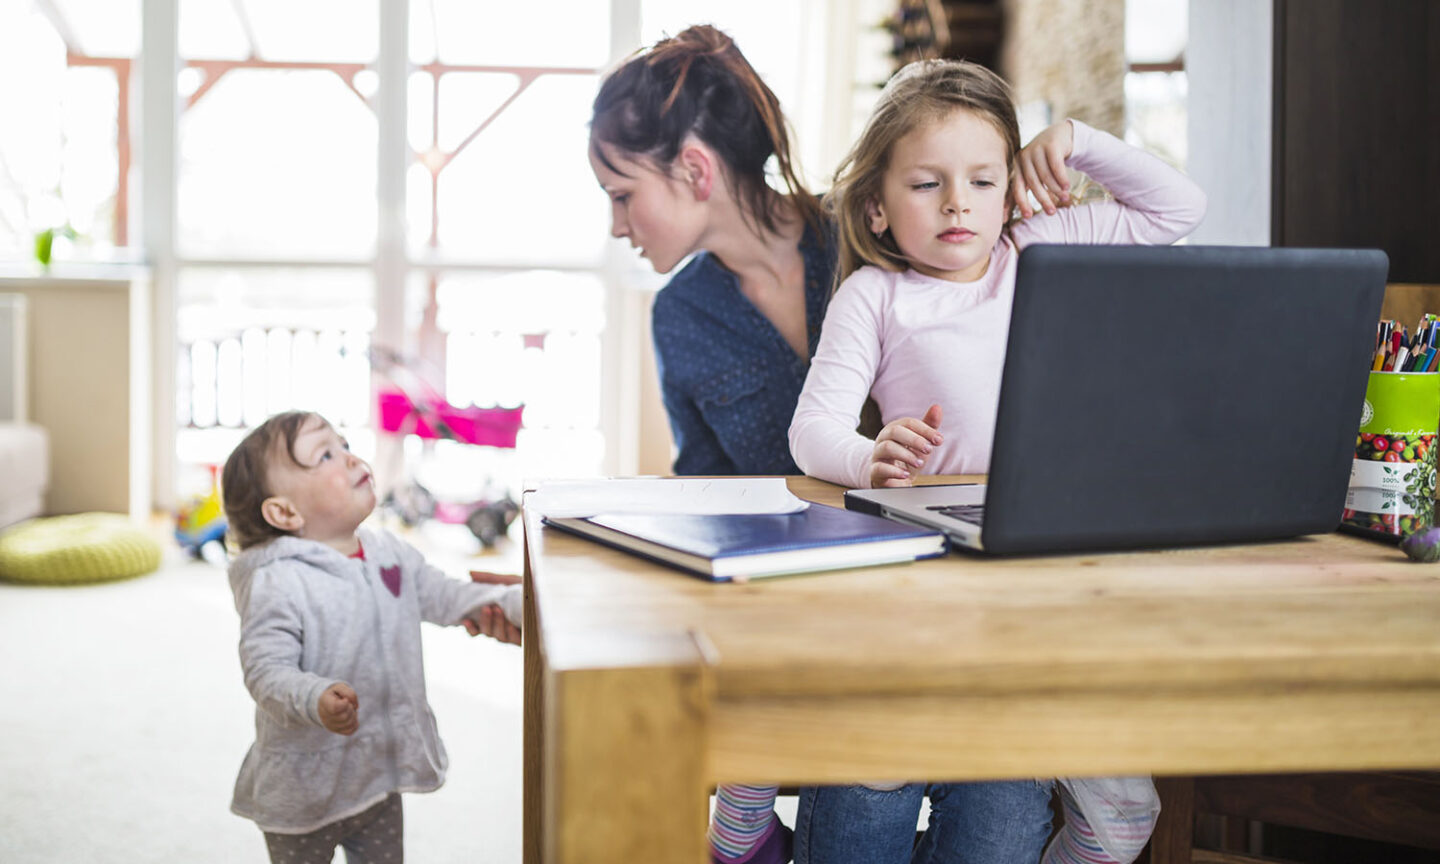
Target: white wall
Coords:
[(1230, 64), (13, 335), (87, 368)]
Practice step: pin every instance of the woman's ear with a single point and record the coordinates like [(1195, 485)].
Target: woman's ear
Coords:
[(697, 166), (875, 217), (280, 513)]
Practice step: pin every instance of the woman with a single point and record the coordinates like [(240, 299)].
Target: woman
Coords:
[(680, 138), (681, 135)]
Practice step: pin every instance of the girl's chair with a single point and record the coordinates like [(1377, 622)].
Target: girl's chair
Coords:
[(1224, 819)]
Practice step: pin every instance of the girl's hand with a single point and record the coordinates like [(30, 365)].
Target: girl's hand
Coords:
[(1040, 170), (339, 709), (490, 620), (902, 445)]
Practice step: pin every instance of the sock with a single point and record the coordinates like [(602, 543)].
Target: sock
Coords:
[(1123, 810), (1075, 842), (742, 815)]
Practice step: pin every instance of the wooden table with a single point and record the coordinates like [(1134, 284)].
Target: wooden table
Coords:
[(645, 687)]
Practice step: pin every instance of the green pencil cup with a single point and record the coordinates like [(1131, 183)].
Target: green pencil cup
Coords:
[(1392, 480)]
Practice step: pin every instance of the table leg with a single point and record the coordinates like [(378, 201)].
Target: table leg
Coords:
[(1175, 831), (624, 766), (533, 797)]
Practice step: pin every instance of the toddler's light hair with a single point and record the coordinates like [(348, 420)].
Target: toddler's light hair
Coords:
[(245, 480), (926, 91)]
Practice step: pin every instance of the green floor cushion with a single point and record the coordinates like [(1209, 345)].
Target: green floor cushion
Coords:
[(70, 550)]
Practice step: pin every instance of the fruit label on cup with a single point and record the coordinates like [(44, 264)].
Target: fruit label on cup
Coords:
[(1384, 475), (1378, 501)]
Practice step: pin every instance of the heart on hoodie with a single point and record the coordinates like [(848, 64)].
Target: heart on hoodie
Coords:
[(391, 577)]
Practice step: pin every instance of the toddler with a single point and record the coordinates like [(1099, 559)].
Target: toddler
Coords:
[(330, 646)]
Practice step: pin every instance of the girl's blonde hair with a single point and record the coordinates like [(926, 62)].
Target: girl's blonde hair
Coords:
[(922, 92)]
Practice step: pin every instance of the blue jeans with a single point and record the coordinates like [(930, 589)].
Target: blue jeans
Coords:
[(1004, 822)]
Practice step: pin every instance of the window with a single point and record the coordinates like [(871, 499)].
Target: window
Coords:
[(275, 219), (65, 170), (508, 285), (1155, 85)]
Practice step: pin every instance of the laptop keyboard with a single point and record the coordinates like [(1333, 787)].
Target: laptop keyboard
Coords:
[(972, 513)]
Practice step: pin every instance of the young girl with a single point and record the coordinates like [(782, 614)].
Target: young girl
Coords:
[(330, 646), (919, 324), (928, 267), (680, 138)]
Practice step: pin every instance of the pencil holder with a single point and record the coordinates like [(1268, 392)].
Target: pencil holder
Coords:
[(1392, 480)]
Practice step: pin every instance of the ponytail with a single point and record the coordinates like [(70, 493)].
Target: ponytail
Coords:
[(698, 82)]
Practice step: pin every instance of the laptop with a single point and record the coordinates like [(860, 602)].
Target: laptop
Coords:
[(1166, 396)]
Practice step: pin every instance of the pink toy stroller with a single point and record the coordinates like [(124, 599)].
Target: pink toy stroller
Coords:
[(410, 405)]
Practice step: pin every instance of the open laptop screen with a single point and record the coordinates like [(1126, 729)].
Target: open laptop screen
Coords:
[(1169, 395)]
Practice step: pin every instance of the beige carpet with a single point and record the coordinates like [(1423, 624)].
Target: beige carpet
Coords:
[(123, 720)]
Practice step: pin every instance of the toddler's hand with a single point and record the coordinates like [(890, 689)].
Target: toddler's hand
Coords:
[(339, 709), (902, 445), (1040, 169), (490, 620)]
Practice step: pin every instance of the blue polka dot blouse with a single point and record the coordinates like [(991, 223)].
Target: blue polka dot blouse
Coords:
[(729, 380)]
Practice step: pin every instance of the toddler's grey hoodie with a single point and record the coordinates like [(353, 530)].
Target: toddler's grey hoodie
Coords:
[(309, 617)]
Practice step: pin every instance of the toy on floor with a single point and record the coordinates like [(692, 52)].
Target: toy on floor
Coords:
[(487, 518), (411, 405), (77, 549), (201, 521)]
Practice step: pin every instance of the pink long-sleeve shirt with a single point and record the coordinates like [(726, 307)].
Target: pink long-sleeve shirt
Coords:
[(911, 340)]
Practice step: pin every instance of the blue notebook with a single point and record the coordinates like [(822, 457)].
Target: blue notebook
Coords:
[(754, 546)]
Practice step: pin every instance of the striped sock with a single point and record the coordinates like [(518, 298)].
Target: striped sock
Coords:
[(1077, 844), (742, 819)]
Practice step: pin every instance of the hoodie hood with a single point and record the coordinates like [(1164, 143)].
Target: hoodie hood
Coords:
[(302, 551)]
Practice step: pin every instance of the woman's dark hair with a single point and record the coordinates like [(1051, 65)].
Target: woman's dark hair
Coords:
[(698, 82), (245, 483)]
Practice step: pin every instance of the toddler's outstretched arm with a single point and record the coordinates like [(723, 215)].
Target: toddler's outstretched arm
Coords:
[(449, 602)]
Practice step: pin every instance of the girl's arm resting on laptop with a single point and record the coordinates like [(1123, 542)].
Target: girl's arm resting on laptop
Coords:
[(823, 439), (1154, 203)]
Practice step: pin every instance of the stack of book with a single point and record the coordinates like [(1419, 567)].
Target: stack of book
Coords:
[(764, 536)]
